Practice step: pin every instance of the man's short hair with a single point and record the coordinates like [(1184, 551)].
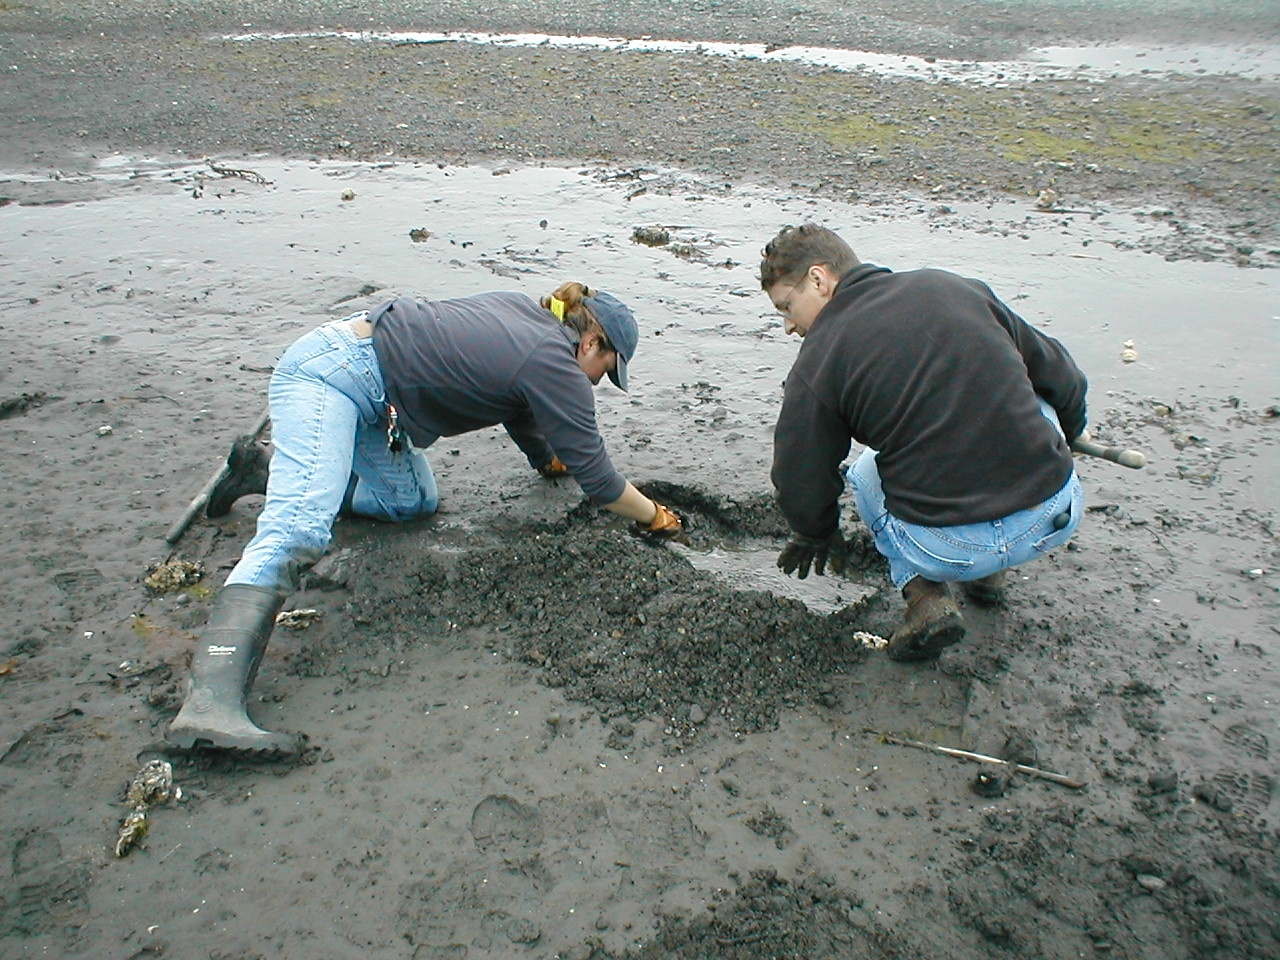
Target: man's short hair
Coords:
[(795, 249)]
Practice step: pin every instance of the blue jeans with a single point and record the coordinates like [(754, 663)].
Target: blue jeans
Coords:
[(328, 423), (969, 551)]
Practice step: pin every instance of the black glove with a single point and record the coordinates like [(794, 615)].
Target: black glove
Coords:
[(801, 553)]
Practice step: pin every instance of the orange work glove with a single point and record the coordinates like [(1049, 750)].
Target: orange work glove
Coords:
[(554, 469), (665, 525)]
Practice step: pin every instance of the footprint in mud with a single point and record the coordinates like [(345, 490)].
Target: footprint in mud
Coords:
[(505, 826), (51, 893), (1245, 796), (84, 589), (1242, 794), (74, 582), (1245, 738), (45, 739), (475, 900)]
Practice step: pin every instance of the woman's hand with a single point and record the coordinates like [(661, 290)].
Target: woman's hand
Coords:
[(665, 525), (554, 469)]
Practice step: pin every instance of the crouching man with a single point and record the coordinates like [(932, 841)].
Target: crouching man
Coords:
[(966, 411)]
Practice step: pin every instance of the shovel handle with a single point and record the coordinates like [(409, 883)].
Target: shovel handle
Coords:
[(1133, 459)]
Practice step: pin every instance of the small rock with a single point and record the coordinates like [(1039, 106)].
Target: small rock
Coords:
[(1139, 864), (989, 785), (1213, 797), (651, 236), (1047, 200), (332, 572), (1159, 783)]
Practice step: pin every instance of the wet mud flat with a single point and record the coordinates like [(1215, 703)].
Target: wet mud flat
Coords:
[(533, 734), (676, 669)]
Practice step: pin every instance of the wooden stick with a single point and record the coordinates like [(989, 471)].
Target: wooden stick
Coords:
[(201, 499), (980, 758)]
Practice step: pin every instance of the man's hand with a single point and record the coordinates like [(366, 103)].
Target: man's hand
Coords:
[(665, 525), (801, 553), (554, 469)]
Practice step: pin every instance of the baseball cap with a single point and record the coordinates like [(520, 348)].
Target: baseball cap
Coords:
[(619, 325)]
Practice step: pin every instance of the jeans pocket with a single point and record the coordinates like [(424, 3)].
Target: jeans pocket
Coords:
[(341, 363), (302, 355), (934, 560), (1055, 538), (1069, 501)]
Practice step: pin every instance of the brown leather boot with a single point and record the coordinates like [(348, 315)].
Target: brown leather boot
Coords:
[(932, 622), (986, 592)]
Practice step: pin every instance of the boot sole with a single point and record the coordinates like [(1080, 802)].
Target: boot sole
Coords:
[(279, 746), (940, 636)]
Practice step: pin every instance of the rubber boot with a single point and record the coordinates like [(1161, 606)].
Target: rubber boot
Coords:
[(986, 592), (247, 473), (222, 671), (932, 622)]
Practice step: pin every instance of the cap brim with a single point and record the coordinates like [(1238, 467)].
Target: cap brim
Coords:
[(619, 373)]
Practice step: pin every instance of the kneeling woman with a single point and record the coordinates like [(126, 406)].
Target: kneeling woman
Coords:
[(354, 403)]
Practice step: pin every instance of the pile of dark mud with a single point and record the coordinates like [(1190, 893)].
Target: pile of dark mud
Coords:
[(617, 621)]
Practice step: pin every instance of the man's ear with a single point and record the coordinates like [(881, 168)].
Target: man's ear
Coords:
[(822, 280)]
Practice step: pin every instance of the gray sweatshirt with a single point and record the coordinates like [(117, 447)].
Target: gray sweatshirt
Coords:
[(452, 366)]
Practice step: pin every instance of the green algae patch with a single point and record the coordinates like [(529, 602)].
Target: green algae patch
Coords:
[(1078, 122)]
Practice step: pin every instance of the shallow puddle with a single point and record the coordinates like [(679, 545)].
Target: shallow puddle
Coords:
[(1093, 62), (752, 566)]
